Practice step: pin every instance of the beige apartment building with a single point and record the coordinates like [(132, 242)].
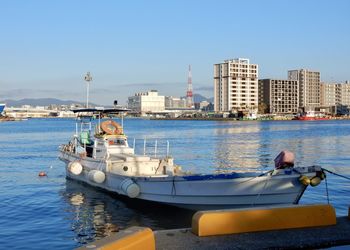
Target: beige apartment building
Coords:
[(329, 94), (236, 86), (335, 94), (344, 93), (309, 87), (279, 96)]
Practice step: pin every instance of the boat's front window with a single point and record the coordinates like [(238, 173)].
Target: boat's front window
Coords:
[(118, 142)]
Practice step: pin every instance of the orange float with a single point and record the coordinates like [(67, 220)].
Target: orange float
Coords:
[(42, 174)]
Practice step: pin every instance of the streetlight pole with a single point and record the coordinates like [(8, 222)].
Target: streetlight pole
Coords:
[(88, 79)]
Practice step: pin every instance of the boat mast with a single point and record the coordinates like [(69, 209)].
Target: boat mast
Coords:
[(88, 79)]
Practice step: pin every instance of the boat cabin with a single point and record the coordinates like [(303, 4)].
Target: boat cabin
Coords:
[(110, 144), (107, 138)]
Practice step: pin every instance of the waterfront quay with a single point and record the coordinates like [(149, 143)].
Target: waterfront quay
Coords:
[(305, 238), (269, 118), (291, 227)]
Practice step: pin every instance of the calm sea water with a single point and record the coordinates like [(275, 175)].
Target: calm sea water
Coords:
[(53, 213)]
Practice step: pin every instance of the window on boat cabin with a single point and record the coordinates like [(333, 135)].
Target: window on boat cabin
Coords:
[(116, 142)]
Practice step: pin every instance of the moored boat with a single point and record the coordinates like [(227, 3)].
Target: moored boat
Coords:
[(311, 116), (2, 107), (102, 157)]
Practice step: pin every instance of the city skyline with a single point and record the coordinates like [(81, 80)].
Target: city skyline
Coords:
[(48, 47)]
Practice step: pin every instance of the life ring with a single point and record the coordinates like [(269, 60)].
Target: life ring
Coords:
[(111, 127)]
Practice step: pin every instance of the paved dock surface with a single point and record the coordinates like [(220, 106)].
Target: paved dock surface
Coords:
[(306, 238)]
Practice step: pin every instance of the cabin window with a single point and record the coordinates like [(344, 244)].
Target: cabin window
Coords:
[(116, 142)]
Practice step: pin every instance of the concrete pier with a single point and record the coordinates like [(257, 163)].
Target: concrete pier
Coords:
[(305, 238), (278, 227)]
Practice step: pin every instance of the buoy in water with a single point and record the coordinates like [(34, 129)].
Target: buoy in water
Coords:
[(42, 174)]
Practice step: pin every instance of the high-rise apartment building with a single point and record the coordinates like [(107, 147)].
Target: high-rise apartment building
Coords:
[(279, 96), (236, 85), (309, 87)]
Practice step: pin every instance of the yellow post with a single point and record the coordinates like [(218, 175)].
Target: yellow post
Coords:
[(133, 238), (220, 222)]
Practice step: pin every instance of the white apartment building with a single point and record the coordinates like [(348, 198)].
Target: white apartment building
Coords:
[(309, 87), (236, 86), (175, 102), (147, 102)]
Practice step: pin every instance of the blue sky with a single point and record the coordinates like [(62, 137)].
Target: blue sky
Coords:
[(131, 46)]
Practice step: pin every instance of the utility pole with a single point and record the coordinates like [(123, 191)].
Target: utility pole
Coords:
[(88, 79)]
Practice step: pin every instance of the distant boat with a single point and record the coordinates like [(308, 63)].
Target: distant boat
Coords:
[(102, 158), (2, 107), (311, 116)]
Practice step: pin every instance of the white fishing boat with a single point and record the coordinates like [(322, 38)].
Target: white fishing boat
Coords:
[(102, 158), (2, 107)]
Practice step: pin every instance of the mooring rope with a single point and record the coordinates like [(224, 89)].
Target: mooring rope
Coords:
[(331, 172), (325, 179), (173, 188)]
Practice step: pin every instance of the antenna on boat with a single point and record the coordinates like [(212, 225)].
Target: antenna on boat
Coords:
[(88, 79), (167, 148), (115, 104)]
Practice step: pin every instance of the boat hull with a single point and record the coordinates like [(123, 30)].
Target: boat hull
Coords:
[(199, 192), (305, 118)]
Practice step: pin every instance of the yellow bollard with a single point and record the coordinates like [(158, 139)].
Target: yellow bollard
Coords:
[(206, 223), (133, 238)]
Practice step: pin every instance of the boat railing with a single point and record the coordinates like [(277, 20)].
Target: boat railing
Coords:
[(151, 147)]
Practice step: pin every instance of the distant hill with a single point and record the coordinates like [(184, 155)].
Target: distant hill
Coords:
[(211, 99), (199, 98), (53, 101), (41, 102)]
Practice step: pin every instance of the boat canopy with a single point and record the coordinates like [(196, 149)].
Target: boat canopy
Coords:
[(101, 110)]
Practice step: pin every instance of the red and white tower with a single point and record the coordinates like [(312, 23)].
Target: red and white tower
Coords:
[(189, 95)]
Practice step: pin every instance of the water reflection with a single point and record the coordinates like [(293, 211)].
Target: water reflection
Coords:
[(239, 147), (253, 146), (90, 217), (95, 214)]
